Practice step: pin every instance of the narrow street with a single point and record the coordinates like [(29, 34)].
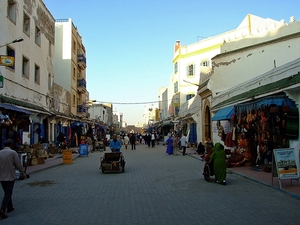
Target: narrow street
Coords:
[(155, 188)]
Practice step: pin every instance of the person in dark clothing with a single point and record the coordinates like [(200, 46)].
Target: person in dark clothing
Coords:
[(148, 139), (200, 149), (132, 141)]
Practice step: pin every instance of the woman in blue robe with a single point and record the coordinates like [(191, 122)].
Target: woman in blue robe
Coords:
[(169, 145)]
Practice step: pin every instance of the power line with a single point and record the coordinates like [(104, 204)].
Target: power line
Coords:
[(130, 103)]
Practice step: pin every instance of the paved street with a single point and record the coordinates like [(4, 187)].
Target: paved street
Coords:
[(156, 188)]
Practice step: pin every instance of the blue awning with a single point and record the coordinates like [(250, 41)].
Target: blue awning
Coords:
[(278, 100), (77, 124), (13, 108), (223, 114)]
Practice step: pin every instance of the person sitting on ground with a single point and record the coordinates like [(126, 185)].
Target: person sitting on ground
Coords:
[(218, 160), (200, 149), (115, 144)]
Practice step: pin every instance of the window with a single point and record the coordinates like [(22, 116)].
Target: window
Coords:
[(74, 72), (189, 96), (74, 46), (36, 74), (176, 87), (25, 67), (176, 67), (74, 100), (11, 10), (11, 52), (204, 63), (50, 49), (49, 81), (26, 24), (190, 70), (37, 36)]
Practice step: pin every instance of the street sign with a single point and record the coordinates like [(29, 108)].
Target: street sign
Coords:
[(6, 60)]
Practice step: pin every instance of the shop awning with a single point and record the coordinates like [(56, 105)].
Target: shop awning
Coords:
[(77, 124), (14, 108), (278, 100), (223, 114)]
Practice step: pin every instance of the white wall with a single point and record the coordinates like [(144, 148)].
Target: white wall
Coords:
[(263, 54)]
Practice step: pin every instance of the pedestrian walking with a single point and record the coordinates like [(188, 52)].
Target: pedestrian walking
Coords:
[(183, 143), (153, 139), (126, 141), (218, 160), (176, 145), (9, 162), (148, 139), (170, 145), (132, 141)]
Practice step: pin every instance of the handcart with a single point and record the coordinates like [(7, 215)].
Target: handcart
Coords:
[(112, 162), (25, 158)]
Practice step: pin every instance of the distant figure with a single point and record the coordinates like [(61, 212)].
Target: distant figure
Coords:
[(148, 139), (153, 139), (126, 141), (170, 143), (183, 143), (132, 141), (200, 149)]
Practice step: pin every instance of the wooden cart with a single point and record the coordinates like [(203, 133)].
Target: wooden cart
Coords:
[(112, 162)]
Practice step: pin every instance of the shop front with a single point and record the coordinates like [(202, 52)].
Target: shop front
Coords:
[(252, 130)]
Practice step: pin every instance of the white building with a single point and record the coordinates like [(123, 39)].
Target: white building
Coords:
[(29, 82), (192, 68)]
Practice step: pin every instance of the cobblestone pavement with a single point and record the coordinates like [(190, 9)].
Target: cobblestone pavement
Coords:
[(155, 188)]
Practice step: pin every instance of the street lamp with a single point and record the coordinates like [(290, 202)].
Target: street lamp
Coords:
[(7, 60), (14, 41)]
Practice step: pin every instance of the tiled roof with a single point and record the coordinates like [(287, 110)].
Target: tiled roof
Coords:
[(272, 87)]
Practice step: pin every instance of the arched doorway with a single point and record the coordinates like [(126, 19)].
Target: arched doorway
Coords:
[(207, 123)]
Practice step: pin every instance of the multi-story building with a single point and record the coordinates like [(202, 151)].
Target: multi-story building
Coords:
[(26, 95), (259, 95), (70, 73), (192, 68)]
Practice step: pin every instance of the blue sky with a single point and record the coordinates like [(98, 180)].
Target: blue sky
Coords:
[(130, 43)]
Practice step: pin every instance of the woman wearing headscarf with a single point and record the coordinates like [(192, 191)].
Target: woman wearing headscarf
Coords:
[(218, 160), (170, 145)]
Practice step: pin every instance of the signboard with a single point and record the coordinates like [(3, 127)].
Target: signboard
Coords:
[(6, 60), (83, 150), (285, 164)]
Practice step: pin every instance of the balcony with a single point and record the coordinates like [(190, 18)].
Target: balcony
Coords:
[(81, 60), (81, 108), (81, 85)]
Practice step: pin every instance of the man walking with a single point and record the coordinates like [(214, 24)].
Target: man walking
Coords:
[(153, 139), (183, 143), (132, 141), (9, 162)]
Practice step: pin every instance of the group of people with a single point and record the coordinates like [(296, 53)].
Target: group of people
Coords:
[(174, 142)]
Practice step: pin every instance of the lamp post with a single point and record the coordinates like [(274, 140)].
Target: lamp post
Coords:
[(7, 60), (14, 41)]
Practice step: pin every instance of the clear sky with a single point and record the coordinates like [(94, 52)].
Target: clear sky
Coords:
[(130, 43)]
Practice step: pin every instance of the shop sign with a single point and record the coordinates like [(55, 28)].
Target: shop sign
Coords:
[(6, 60), (285, 164)]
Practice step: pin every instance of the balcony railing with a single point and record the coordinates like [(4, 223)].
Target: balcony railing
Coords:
[(81, 109), (81, 85), (81, 60)]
